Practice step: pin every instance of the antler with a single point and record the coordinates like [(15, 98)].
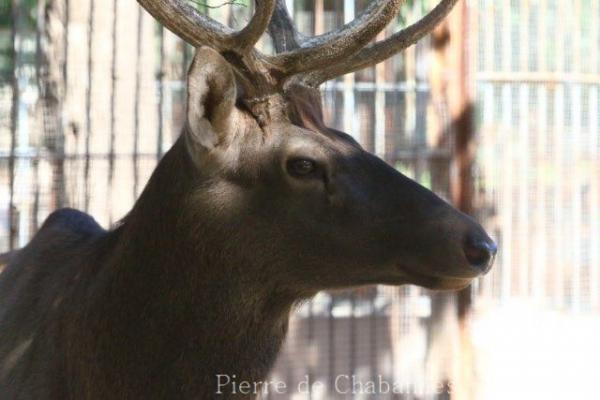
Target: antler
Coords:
[(341, 43), (380, 51), (323, 51), (200, 30), (310, 61)]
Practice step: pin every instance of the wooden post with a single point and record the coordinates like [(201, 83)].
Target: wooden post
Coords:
[(451, 96), (461, 107), (51, 82)]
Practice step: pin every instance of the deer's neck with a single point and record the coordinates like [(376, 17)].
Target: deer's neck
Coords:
[(182, 309)]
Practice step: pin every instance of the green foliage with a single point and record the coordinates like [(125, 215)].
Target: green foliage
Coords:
[(413, 10), (25, 25), (204, 5), (27, 12)]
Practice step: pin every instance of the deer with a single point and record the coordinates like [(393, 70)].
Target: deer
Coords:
[(257, 207)]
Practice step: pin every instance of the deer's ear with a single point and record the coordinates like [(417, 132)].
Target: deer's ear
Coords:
[(212, 94)]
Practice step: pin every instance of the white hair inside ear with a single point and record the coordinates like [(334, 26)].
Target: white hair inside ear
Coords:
[(211, 89)]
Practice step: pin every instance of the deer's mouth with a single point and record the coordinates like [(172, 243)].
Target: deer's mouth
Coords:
[(435, 282)]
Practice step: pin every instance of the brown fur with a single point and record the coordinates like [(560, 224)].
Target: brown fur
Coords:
[(199, 279)]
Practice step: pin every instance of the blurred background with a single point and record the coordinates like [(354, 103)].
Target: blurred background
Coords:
[(498, 111)]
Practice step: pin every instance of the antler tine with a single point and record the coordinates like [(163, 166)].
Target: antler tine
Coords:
[(247, 37), (199, 30), (282, 29), (338, 44), (380, 51), (186, 22)]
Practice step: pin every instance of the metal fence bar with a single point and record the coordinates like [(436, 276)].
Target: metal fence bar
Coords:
[(576, 259), (524, 227), (161, 92), (14, 114), (558, 147), (113, 99), (540, 259), (66, 25), (38, 67), (350, 115), (594, 33), (561, 148), (594, 145), (137, 104), (506, 201), (88, 106)]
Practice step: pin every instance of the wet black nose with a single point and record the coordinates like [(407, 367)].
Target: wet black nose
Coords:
[(480, 253)]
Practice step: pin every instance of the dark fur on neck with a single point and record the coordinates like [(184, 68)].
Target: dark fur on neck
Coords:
[(171, 313)]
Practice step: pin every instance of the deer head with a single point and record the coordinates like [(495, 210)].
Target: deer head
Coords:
[(320, 211)]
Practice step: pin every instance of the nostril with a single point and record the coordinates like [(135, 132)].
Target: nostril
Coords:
[(480, 253)]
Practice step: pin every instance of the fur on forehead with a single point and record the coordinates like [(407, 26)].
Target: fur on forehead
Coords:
[(305, 108)]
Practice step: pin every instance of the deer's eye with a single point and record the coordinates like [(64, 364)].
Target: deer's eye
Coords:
[(301, 167)]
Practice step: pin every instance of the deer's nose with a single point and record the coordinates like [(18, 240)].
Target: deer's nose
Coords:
[(480, 252)]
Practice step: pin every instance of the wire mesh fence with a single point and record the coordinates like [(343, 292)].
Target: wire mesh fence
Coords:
[(537, 75), (92, 94), (95, 94)]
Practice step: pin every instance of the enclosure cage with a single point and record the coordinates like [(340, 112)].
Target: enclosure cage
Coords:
[(92, 94)]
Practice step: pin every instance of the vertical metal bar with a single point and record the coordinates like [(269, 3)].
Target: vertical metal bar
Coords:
[(290, 6), (577, 34), (490, 30), (350, 116), (319, 17), (539, 274), (524, 225), (310, 340), (136, 117), (508, 140), (540, 260), (161, 93), (331, 342), (379, 122), (410, 101), (36, 194), (88, 104), (595, 33), (379, 142), (523, 188), (506, 39), (38, 61), (524, 43), (560, 131), (112, 133), (394, 319), (542, 39), (62, 184), (576, 184), (557, 245), (489, 142), (66, 44), (373, 342), (594, 277), (14, 124), (352, 363), (506, 193)]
